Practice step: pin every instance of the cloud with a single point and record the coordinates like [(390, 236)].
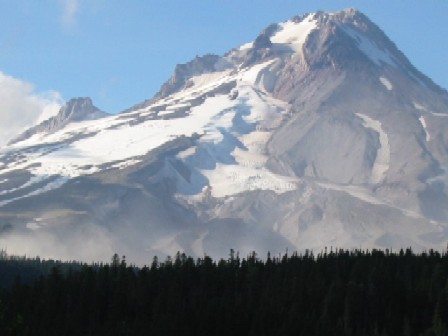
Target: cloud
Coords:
[(69, 12), (21, 107), (79, 242)]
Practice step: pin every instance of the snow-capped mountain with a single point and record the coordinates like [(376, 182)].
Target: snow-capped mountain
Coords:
[(318, 133)]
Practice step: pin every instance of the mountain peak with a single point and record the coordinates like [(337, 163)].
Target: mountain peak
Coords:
[(75, 110), (79, 102), (350, 11), (346, 40)]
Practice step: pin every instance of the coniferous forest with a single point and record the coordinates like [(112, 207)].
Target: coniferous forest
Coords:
[(335, 293)]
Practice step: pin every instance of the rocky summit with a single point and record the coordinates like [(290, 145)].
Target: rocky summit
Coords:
[(319, 133)]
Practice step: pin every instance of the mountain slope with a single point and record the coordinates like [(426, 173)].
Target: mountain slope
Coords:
[(318, 133)]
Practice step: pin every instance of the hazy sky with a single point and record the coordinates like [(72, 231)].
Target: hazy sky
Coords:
[(119, 52)]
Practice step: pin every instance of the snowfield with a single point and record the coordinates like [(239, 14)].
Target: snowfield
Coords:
[(382, 160), (236, 129)]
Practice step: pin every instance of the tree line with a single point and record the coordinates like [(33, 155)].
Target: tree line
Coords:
[(341, 292)]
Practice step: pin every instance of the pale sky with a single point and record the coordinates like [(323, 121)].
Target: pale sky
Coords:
[(120, 52)]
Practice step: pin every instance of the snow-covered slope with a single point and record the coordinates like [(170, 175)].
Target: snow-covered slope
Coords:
[(318, 133)]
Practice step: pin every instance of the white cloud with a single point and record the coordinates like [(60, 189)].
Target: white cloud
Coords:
[(69, 12), (21, 107)]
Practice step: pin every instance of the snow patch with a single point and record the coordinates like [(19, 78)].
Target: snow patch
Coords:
[(57, 183), (422, 108), (166, 112), (419, 107), (124, 164), (186, 153), (435, 114), (293, 33), (30, 182), (382, 160), (206, 79), (253, 75), (246, 46), (229, 180), (378, 55), (386, 83), (423, 123)]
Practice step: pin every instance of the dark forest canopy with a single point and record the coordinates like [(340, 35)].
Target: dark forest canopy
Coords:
[(335, 293)]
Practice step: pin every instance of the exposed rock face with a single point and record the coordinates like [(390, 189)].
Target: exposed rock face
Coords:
[(319, 133)]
